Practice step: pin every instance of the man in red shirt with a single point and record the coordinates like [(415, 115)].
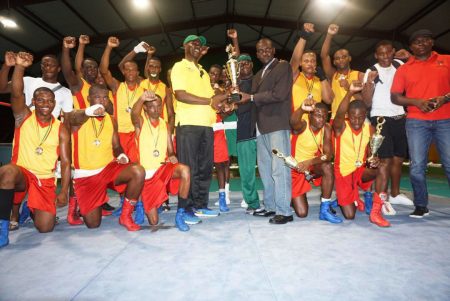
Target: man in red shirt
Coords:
[(423, 85)]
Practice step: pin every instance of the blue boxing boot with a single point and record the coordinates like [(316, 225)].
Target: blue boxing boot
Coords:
[(118, 211), (139, 213), (223, 202), (325, 213), (368, 201), (4, 233), (180, 222), (24, 214)]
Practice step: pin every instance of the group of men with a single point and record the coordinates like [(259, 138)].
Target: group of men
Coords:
[(144, 139)]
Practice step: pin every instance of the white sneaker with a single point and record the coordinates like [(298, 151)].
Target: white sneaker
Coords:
[(401, 199), (227, 200), (387, 209), (244, 204)]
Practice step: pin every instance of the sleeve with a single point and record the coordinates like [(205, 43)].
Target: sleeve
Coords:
[(67, 101), (366, 75), (281, 88), (28, 89), (398, 84), (177, 77)]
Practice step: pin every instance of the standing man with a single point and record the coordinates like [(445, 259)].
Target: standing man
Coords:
[(377, 96), (272, 95), (195, 137), (423, 85), (39, 140)]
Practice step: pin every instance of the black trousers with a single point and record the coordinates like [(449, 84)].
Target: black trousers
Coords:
[(195, 149)]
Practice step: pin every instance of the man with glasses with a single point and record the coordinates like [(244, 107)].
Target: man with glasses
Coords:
[(423, 85)]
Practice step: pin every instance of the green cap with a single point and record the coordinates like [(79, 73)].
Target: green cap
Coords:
[(194, 37), (244, 57)]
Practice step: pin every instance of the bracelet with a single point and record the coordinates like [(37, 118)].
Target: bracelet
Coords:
[(447, 97)]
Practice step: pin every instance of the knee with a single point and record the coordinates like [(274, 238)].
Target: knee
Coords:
[(138, 171), (301, 213), (327, 170), (349, 215), (92, 225), (45, 228), (153, 220), (185, 171), (8, 174)]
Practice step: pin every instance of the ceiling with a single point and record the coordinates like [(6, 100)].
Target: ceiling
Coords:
[(43, 24)]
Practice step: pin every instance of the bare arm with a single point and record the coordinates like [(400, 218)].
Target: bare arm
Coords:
[(327, 93), (232, 34), (77, 118), (112, 83), (79, 57), (141, 47), (10, 60), (339, 119), (72, 79), (65, 157), (170, 110), (136, 117), (18, 106), (325, 51), (327, 143), (308, 29), (117, 148), (189, 98)]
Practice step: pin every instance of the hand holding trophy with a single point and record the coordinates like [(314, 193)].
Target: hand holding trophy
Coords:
[(232, 68), (376, 140), (292, 163)]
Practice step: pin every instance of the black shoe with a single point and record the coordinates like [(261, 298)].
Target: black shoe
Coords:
[(281, 219), (108, 207), (165, 206), (420, 212), (263, 213)]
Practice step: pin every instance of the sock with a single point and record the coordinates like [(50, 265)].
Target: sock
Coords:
[(131, 201), (221, 190), (182, 203), (6, 203), (325, 200)]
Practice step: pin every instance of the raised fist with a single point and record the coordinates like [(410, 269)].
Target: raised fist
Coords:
[(308, 27), (149, 96), (84, 39), (113, 42), (371, 77), (308, 104), (204, 50), (10, 58), (69, 42), (24, 59), (232, 33), (333, 29), (151, 50), (402, 54), (356, 86)]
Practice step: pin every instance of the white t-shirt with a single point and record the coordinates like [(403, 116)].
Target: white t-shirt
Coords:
[(63, 97), (381, 101)]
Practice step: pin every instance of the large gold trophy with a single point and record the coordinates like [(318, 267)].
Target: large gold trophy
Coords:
[(232, 68), (377, 138), (292, 163)]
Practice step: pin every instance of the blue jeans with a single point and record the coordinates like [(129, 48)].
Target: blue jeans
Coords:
[(420, 133), (275, 176)]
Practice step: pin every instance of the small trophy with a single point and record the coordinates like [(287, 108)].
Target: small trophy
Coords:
[(377, 138), (232, 68), (292, 163)]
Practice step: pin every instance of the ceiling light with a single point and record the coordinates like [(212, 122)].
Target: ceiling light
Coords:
[(141, 4), (328, 2), (8, 22)]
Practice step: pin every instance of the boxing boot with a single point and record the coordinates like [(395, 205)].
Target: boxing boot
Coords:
[(24, 214), (222, 203), (72, 213), (375, 214), (4, 233), (179, 220), (125, 218), (368, 201), (118, 211), (326, 215), (139, 213)]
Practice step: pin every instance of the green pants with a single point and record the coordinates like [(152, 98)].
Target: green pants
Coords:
[(246, 151)]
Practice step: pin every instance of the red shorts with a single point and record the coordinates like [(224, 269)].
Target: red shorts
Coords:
[(155, 189), (300, 185), (41, 192), (91, 191), (347, 187), (220, 147), (128, 143)]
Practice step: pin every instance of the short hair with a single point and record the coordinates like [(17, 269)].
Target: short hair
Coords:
[(384, 43), (155, 58), (96, 87), (357, 105), (131, 61), (309, 51), (321, 106), (52, 56), (216, 66), (43, 89)]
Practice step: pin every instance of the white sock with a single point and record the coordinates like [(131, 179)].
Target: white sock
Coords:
[(227, 187), (221, 190), (325, 200)]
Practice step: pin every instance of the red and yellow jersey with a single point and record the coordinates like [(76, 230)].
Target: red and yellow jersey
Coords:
[(339, 92), (92, 144), (351, 147), (36, 146), (160, 89), (307, 145), (80, 100), (152, 144), (124, 100), (302, 87)]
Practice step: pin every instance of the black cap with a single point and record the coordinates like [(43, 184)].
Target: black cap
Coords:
[(420, 33)]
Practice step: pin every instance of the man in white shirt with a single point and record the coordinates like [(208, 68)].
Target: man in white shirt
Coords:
[(50, 69), (376, 94)]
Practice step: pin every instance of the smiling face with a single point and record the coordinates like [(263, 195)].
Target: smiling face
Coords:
[(192, 50), (44, 102), (153, 69), (384, 55), (245, 69)]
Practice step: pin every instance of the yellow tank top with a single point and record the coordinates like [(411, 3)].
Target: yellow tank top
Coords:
[(152, 141), (92, 144), (351, 147), (160, 89), (307, 145), (80, 100), (339, 92), (302, 87), (36, 146), (123, 102)]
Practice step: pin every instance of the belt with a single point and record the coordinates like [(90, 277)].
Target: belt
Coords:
[(397, 117)]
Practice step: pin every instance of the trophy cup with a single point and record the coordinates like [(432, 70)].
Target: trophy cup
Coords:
[(232, 68), (292, 163), (377, 138)]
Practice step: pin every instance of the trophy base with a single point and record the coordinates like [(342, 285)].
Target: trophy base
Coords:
[(234, 97)]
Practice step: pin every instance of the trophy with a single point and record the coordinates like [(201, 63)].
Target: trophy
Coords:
[(291, 162), (232, 68), (377, 138)]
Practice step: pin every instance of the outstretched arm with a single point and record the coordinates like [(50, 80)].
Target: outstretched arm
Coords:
[(79, 57), (141, 47), (10, 60), (170, 110), (339, 119), (232, 34), (305, 33), (325, 52), (296, 121), (136, 111), (112, 83), (18, 105), (72, 79)]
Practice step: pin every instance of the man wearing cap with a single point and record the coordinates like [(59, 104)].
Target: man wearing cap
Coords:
[(272, 95), (193, 121), (423, 85)]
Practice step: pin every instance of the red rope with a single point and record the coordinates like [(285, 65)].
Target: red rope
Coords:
[(5, 104)]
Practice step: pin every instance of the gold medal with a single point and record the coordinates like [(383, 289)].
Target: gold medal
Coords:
[(358, 163), (323, 157), (155, 153), (309, 96), (39, 151), (128, 110), (97, 142)]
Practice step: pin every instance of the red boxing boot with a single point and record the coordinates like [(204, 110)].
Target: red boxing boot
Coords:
[(360, 205), (125, 218), (73, 218), (375, 214)]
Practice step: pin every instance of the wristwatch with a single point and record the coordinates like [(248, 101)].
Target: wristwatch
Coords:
[(251, 97), (447, 97)]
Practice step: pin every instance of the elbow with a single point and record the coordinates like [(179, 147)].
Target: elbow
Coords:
[(394, 99)]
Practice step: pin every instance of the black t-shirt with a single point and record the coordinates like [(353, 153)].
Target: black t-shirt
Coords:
[(246, 114)]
